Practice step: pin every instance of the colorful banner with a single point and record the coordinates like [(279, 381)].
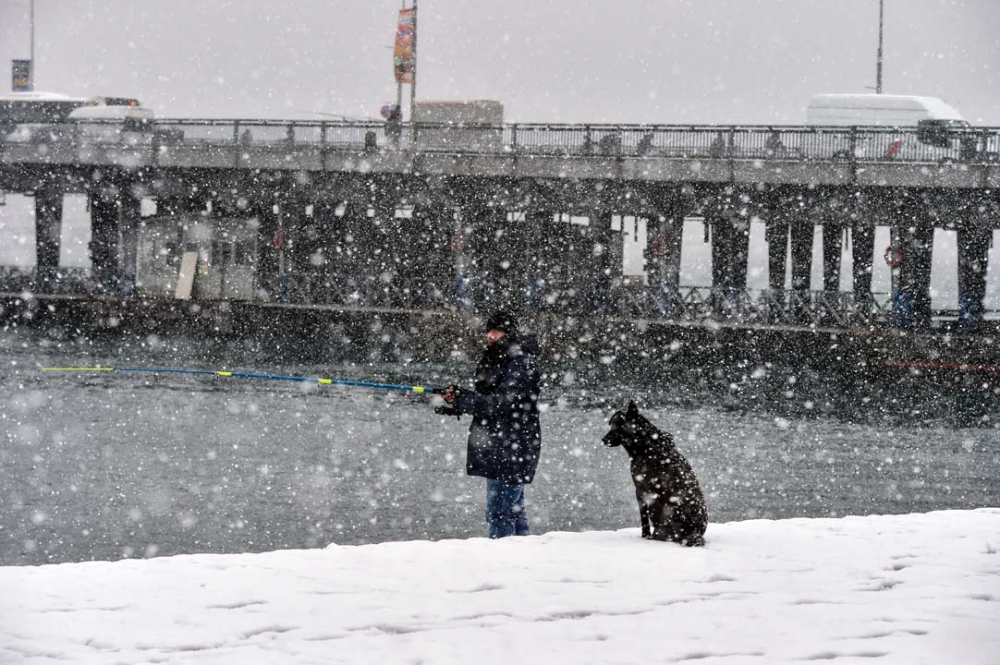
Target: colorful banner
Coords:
[(20, 73), (402, 54)]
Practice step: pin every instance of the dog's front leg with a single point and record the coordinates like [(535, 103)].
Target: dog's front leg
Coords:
[(644, 519)]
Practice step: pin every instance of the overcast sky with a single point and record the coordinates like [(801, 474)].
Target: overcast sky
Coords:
[(670, 61)]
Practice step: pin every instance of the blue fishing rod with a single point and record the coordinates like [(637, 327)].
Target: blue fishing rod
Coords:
[(250, 375)]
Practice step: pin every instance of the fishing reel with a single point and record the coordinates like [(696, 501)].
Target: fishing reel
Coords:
[(447, 409)]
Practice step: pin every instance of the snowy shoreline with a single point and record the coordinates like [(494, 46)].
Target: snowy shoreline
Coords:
[(919, 588)]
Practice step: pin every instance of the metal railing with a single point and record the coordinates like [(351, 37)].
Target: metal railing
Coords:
[(701, 142), (687, 304)]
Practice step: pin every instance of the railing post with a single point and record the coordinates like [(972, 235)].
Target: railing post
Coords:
[(513, 137), (852, 144), (322, 144), (236, 132)]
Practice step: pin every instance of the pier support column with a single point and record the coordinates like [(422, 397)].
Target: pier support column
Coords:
[(665, 239), (426, 259), (386, 284), (833, 248), (267, 254), (130, 208), (538, 256), (776, 234), (487, 250), (912, 305), (802, 231), (298, 227), (357, 264), (973, 251), (730, 246), (48, 232), (104, 219), (321, 249), (862, 251), (600, 261), (915, 276)]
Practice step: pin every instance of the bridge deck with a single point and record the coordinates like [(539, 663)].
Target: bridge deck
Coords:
[(711, 154)]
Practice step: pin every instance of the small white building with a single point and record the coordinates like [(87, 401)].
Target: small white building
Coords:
[(205, 258)]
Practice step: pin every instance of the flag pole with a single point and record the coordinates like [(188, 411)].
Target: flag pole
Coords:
[(399, 85), (878, 66)]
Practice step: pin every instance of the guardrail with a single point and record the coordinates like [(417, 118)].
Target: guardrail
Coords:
[(687, 304), (736, 142)]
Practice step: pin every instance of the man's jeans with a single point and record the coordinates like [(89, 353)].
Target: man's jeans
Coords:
[(505, 511)]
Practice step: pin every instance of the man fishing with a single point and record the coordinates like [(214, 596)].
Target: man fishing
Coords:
[(505, 437)]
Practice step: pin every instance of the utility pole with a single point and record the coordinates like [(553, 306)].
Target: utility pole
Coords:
[(413, 86), (31, 56), (878, 67)]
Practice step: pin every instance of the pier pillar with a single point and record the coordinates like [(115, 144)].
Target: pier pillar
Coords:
[(426, 262), (358, 263), (488, 247), (802, 231), (600, 260), (974, 235), (321, 249), (583, 270), (130, 208), (268, 240), (862, 251), (915, 275), (912, 301), (386, 286), (300, 236), (833, 248), (104, 220), (560, 269), (730, 246), (776, 235), (48, 232), (665, 236), (538, 256)]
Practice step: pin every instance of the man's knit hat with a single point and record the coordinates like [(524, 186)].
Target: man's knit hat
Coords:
[(504, 320)]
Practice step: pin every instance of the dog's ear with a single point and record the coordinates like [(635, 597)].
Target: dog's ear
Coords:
[(632, 411)]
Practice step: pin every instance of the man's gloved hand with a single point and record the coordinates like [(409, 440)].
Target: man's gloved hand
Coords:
[(449, 409)]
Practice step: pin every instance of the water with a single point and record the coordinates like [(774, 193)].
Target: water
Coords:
[(125, 465)]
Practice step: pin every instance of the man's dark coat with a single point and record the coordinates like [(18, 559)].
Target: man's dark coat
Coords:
[(505, 438)]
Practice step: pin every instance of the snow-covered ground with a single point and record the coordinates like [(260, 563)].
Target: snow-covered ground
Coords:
[(906, 589)]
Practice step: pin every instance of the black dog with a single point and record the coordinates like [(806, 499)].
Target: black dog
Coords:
[(671, 505)]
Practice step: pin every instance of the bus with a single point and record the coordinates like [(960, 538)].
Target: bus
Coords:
[(49, 117), (19, 108)]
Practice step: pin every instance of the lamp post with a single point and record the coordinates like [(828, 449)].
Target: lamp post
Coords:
[(878, 66)]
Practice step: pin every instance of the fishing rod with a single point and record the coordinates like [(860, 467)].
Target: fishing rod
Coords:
[(250, 375)]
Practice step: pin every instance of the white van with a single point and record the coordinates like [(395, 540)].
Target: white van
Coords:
[(878, 111), (941, 131)]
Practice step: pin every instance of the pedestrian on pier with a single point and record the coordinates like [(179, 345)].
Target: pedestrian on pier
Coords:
[(773, 147), (505, 438), (394, 126)]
